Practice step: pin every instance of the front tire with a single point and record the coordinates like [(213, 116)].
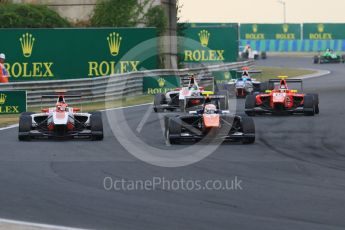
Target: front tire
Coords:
[(250, 105), (316, 102), (96, 124), (158, 100), (309, 105)]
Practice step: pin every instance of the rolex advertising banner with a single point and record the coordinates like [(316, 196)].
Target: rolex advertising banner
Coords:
[(12, 102), (209, 45), (270, 31), (53, 54), (323, 31), (154, 85)]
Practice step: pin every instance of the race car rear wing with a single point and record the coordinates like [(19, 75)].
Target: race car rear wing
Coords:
[(272, 82), (287, 80), (60, 96), (249, 71), (239, 72), (199, 101)]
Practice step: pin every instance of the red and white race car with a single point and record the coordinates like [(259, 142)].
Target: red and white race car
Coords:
[(279, 99), (60, 121)]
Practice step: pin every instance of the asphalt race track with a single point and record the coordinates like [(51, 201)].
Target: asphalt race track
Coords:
[(292, 177)]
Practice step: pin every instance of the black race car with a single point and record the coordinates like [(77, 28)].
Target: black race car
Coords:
[(208, 122)]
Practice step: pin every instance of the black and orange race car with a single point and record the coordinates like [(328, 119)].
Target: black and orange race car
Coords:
[(279, 99), (208, 122)]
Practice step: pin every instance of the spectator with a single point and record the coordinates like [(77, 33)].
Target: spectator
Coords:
[(3, 71)]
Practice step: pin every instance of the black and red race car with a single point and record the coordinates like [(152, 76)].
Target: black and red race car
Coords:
[(279, 99)]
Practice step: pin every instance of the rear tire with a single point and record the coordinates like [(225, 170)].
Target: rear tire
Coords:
[(25, 124), (248, 127), (250, 105), (159, 99), (309, 105), (96, 124), (316, 59)]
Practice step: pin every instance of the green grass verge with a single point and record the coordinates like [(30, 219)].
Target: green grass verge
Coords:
[(274, 72)]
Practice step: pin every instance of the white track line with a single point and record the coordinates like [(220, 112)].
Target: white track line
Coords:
[(23, 225), (9, 127)]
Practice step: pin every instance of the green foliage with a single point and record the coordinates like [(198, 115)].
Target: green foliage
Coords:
[(116, 13), (108, 13), (155, 17), (30, 16)]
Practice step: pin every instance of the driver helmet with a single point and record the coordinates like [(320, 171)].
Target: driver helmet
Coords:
[(210, 109), (61, 106)]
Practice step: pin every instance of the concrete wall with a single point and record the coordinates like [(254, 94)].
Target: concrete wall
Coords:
[(76, 10)]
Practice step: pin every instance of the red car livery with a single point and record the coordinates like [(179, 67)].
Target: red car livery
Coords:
[(279, 99)]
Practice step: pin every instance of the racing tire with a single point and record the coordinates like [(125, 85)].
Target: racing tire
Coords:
[(263, 55), (343, 58), (173, 127), (250, 105), (25, 124), (316, 59), (322, 60), (96, 124), (158, 100), (309, 105), (316, 102), (248, 127)]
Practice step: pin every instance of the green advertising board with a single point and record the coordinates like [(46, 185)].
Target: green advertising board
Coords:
[(209, 45), (323, 31), (53, 54), (12, 102), (154, 85), (270, 31), (222, 77)]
